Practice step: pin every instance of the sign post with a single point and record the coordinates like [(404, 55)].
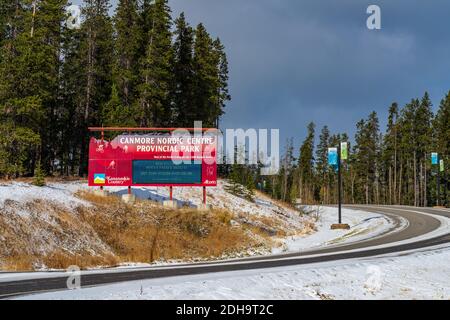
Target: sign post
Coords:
[(334, 159), (435, 161), (339, 184), (442, 170)]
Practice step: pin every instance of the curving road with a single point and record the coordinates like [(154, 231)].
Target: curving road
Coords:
[(421, 222)]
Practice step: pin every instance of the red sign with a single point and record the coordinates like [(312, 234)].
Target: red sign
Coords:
[(153, 160)]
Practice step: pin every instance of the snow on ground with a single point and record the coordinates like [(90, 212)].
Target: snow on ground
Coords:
[(61, 193), (364, 225), (420, 275)]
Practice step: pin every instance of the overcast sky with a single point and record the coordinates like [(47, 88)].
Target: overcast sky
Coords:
[(296, 61)]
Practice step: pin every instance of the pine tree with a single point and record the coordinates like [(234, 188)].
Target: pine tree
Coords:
[(367, 152), (322, 164), (441, 144), (127, 41), (306, 167), (39, 179), (29, 72), (183, 71), (250, 187), (221, 95), (115, 114), (441, 127), (205, 84), (390, 153), (156, 71), (56, 82), (235, 186), (70, 113), (95, 63)]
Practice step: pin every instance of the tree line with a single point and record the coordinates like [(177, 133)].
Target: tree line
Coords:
[(391, 167), (137, 68)]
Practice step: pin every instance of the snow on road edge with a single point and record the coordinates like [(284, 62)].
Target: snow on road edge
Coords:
[(420, 275)]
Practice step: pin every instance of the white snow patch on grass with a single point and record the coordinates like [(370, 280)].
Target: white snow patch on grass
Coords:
[(60, 193)]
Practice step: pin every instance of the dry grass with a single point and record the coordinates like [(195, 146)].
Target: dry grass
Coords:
[(41, 233), (19, 262), (147, 232), (62, 260), (110, 232)]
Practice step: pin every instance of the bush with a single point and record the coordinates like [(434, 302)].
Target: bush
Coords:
[(39, 179)]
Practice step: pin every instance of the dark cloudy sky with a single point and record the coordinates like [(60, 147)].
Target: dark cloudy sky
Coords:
[(296, 61)]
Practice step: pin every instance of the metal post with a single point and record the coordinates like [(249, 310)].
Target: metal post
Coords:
[(339, 184), (171, 193), (129, 189), (438, 182), (204, 195)]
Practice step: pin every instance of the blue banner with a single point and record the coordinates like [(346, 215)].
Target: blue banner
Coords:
[(434, 158), (332, 156)]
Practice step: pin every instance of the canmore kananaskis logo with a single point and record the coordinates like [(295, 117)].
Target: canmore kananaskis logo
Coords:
[(99, 178)]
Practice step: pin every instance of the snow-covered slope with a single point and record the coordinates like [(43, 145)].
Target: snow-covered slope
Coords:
[(44, 219)]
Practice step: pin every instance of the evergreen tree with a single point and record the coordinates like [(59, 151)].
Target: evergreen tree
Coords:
[(156, 72), (127, 41), (39, 179), (205, 85), (56, 82), (306, 167), (250, 187), (390, 153), (441, 144), (29, 72), (115, 114), (322, 164), (221, 91), (183, 71), (95, 66), (367, 150), (441, 127)]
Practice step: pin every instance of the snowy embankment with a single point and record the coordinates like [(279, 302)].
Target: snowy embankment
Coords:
[(419, 275), (364, 225), (31, 217)]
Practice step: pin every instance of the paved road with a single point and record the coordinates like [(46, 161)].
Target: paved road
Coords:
[(419, 224)]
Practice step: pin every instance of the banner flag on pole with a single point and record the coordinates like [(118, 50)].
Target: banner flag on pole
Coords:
[(332, 156), (441, 165), (434, 158), (344, 150)]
